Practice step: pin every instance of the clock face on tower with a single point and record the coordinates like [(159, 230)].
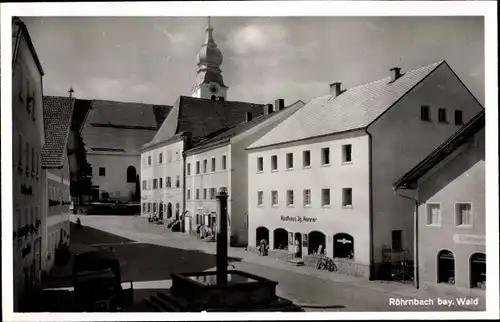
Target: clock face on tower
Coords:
[(213, 89)]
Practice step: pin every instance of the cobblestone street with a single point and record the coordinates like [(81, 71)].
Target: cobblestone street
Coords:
[(150, 254)]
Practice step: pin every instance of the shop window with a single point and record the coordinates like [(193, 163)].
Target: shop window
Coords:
[(280, 239), (343, 246), (317, 243), (169, 210), (478, 271), (446, 267)]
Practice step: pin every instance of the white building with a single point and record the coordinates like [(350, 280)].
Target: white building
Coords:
[(27, 141), (324, 176), (191, 120), (57, 113), (448, 189), (221, 162)]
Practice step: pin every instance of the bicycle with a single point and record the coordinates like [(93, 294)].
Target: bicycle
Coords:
[(326, 263)]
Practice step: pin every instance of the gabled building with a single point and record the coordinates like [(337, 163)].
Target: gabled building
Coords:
[(221, 162), (191, 120), (57, 115), (323, 178), (27, 141), (448, 192)]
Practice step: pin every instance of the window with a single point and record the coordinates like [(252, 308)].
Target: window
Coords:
[(168, 183), (274, 163), (160, 158), (325, 197), (144, 185), (212, 193), (442, 115), (463, 214), (425, 113), (205, 164), (188, 169), (325, 156), (289, 160), (260, 198), (197, 167), (143, 207), (102, 172), (347, 153), (434, 214), (289, 198), (188, 194), (155, 183), (459, 117), (149, 160), (213, 164), (397, 239), (274, 198), (33, 161), (205, 194), (177, 182), (20, 151), (224, 162), (260, 164), (161, 183), (347, 197), (306, 159), (307, 197), (27, 156), (197, 194)]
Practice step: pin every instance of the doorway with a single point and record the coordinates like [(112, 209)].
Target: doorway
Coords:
[(298, 245)]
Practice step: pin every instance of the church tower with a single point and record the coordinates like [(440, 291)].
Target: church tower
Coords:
[(209, 82)]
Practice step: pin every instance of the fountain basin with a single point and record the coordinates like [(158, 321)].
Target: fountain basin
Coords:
[(242, 290)]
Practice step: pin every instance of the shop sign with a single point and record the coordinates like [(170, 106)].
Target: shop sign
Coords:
[(298, 219), (469, 239)]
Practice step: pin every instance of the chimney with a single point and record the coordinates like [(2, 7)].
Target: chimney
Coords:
[(279, 104), (335, 89), (248, 116), (395, 73), (268, 109)]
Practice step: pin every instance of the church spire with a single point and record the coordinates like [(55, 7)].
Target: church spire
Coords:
[(209, 60)]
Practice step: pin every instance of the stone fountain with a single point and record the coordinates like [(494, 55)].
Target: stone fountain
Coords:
[(223, 290)]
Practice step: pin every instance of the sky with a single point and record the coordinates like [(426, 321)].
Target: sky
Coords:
[(153, 60)]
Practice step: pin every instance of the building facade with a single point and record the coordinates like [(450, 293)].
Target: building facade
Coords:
[(221, 163), (190, 121), (322, 177), (58, 112), (449, 192), (27, 141)]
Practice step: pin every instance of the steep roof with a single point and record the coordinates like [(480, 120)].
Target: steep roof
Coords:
[(201, 117), (442, 151), (240, 128), (24, 31), (355, 108), (121, 126), (57, 115)]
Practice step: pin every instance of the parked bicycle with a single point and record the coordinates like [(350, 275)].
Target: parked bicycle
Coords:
[(326, 263)]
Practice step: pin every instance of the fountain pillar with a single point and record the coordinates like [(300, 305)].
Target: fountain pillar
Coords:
[(222, 237)]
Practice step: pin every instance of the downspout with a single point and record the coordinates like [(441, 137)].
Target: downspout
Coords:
[(415, 236), (370, 202)]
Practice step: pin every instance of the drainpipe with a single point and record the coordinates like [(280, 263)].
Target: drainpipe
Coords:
[(370, 202), (415, 236), (183, 227)]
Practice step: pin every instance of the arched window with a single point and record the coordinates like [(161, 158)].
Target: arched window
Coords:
[(280, 239), (131, 174), (478, 271), (343, 246), (446, 267), (261, 233), (317, 242)]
